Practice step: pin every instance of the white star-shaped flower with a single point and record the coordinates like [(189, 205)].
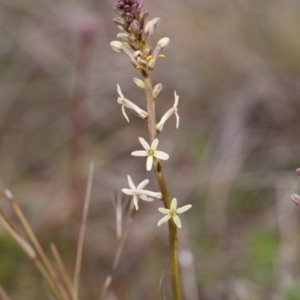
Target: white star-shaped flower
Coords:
[(173, 213), (151, 152), (138, 192)]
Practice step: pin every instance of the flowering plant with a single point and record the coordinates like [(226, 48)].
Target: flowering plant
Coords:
[(134, 41)]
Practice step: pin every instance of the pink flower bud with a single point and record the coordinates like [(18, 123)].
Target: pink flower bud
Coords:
[(296, 199)]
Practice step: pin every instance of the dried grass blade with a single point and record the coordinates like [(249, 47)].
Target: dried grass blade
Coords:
[(38, 248), (63, 272), (82, 231)]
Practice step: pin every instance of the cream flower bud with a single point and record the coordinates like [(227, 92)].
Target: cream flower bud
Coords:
[(151, 63), (140, 83), (117, 46), (157, 90), (163, 43), (149, 28)]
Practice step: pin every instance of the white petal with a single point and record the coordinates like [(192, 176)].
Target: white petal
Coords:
[(130, 182), (177, 120), (174, 204), (176, 99), (128, 192), (149, 194), (124, 113), (154, 144), (183, 208), (119, 91), (140, 153), (142, 184), (135, 201), (145, 198), (161, 155), (144, 143), (163, 220), (164, 210), (149, 163), (177, 221)]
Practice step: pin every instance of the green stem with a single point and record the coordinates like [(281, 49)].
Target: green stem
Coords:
[(173, 238)]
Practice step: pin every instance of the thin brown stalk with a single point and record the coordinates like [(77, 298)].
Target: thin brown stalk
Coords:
[(8, 220), (38, 248), (3, 294), (173, 237), (62, 269), (20, 241), (119, 250), (82, 231)]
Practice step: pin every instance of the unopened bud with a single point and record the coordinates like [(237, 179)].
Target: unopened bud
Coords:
[(122, 36), (156, 22), (117, 46), (140, 2), (298, 171), (163, 43), (129, 17), (120, 21), (296, 199), (151, 63), (140, 83), (143, 16), (149, 28), (135, 27), (118, 11), (157, 90), (134, 8)]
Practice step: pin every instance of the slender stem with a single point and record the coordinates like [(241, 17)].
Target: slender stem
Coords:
[(82, 231), (173, 244), (173, 238)]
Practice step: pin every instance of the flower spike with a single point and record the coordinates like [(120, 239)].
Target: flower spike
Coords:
[(151, 152), (173, 213), (138, 192)]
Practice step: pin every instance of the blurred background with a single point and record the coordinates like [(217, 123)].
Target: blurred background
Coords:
[(235, 65)]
